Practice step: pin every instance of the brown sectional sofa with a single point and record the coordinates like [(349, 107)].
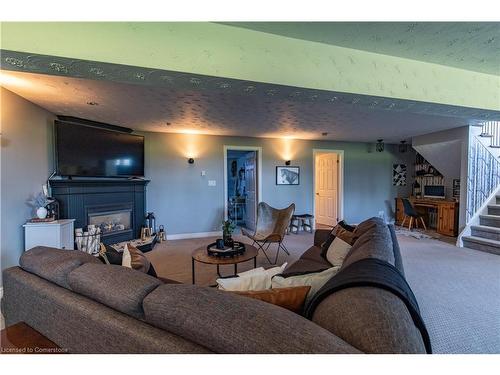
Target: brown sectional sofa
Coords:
[(87, 307)]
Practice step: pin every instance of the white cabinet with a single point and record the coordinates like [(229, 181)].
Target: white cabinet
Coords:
[(59, 234)]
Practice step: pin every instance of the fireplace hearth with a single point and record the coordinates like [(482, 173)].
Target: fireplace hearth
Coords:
[(117, 206)]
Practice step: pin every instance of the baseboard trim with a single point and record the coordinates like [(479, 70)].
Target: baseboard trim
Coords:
[(183, 236)]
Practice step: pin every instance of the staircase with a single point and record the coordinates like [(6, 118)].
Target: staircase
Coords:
[(482, 230), (486, 235), (490, 136)]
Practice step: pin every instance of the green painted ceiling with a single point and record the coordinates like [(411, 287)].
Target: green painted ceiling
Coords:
[(229, 52), (466, 45)]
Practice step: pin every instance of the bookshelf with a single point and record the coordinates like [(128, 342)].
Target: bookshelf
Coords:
[(425, 174)]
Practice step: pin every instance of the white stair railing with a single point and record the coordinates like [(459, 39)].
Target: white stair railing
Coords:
[(492, 129), (483, 177)]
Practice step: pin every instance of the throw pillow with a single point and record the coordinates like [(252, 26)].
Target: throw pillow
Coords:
[(346, 226), (109, 255), (314, 279), (258, 279), (135, 259), (337, 252), (292, 298), (338, 231)]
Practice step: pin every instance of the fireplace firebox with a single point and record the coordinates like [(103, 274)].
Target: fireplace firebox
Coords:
[(112, 222)]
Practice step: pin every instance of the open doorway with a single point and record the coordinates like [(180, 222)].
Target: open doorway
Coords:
[(328, 194), (242, 185)]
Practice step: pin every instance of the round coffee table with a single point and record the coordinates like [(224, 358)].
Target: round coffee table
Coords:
[(201, 255)]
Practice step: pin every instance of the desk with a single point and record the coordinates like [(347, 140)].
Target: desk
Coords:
[(447, 213)]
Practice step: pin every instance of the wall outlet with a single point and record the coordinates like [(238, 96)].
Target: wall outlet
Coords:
[(203, 173), (211, 183)]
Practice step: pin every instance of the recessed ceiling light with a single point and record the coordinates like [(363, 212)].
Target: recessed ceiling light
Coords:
[(92, 103)]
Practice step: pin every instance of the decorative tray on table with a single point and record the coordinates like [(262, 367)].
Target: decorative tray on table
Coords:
[(238, 248)]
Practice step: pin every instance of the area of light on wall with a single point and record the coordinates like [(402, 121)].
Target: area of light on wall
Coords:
[(287, 148), (190, 145), (8, 80)]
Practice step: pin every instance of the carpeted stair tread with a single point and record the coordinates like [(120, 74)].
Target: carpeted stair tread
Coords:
[(486, 228), (481, 240)]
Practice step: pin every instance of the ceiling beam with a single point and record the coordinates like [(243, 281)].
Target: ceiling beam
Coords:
[(233, 52)]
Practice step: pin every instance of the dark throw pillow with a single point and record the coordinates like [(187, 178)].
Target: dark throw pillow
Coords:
[(115, 257), (346, 226)]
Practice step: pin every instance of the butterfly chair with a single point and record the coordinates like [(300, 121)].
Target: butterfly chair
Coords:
[(410, 212), (271, 227)]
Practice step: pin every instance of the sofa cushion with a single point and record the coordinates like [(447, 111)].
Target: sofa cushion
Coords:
[(227, 323), (118, 287), (314, 254), (374, 241), (54, 264)]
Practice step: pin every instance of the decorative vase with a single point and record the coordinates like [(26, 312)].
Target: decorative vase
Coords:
[(228, 240), (41, 212)]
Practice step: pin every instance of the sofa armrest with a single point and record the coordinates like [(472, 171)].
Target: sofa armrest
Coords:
[(371, 319), (320, 236)]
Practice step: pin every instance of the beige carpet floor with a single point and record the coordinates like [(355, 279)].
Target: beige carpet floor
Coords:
[(458, 289)]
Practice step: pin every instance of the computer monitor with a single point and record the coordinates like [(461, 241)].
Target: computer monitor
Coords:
[(434, 191)]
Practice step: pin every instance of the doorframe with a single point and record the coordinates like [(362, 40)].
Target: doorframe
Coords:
[(340, 180), (259, 171)]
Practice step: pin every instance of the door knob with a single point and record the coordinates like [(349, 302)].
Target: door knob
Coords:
[(317, 193)]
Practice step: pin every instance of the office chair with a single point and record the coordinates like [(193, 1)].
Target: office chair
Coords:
[(410, 212)]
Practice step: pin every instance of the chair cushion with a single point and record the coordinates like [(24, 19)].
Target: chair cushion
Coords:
[(54, 264), (236, 324), (118, 287)]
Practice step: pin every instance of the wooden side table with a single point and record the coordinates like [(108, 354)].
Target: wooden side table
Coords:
[(201, 255), (20, 338)]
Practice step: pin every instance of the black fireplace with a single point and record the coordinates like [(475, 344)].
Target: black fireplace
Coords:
[(118, 207)]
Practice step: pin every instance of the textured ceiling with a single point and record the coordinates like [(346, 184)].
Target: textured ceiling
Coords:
[(466, 45), (215, 111)]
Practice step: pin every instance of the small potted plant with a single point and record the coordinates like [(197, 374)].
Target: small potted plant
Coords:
[(227, 230)]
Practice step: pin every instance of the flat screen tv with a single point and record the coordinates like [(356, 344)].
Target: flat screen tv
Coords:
[(93, 152)]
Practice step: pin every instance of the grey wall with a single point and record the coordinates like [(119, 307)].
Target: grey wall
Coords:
[(184, 203), (26, 162)]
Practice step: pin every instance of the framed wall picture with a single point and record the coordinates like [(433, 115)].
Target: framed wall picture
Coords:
[(399, 174), (287, 175)]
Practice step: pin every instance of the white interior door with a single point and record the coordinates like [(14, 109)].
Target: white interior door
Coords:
[(251, 190), (326, 189)]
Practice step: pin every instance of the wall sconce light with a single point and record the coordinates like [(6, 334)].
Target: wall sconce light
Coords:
[(288, 162), (379, 146), (191, 161), (403, 147)]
